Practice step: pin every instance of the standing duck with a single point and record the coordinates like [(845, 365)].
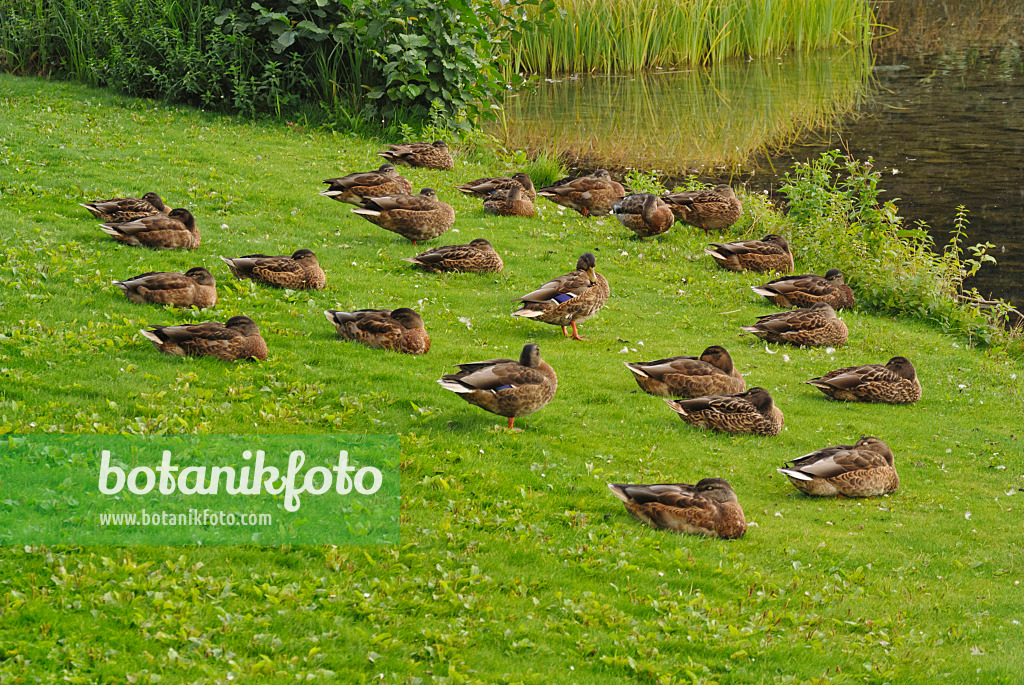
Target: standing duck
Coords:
[(505, 387), (645, 214), (752, 412), (807, 290), (712, 373), (117, 210), (593, 195), (416, 217), (816, 326), (301, 271), (771, 253), (509, 202), (569, 299), (173, 231), (894, 383), (866, 469), (482, 187), (355, 188), (479, 256), (194, 288), (401, 330), (427, 155), (711, 210), (238, 338), (708, 508)]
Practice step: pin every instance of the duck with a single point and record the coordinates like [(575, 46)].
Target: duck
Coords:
[(894, 383), (427, 155), (645, 214), (478, 256), (708, 508), (504, 386), (712, 373), (807, 290), (509, 202), (401, 330), (711, 210), (238, 338), (355, 188), (120, 209), (194, 288), (416, 217), (175, 230), (752, 412), (865, 469), (771, 253), (301, 271), (593, 195), (569, 299), (481, 188), (815, 326)]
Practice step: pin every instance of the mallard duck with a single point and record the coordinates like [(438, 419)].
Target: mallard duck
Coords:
[(816, 326), (593, 195), (866, 469), (427, 155), (478, 256), (712, 210), (712, 373), (807, 290), (644, 214), (238, 338), (301, 271), (482, 187), (771, 253), (416, 217), (708, 508), (176, 230), (120, 209), (194, 288), (355, 188), (509, 202), (505, 387), (400, 330), (752, 412), (569, 299), (894, 383)]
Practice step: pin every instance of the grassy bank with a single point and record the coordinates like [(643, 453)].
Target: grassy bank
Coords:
[(517, 565)]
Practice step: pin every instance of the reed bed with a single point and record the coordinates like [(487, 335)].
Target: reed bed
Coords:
[(633, 35)]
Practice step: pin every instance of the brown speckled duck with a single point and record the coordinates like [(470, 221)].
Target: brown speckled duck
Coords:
[(482, 187), (509, 202), (117, 210), (416, 217), (478, 256), (176, 230), (771, 253), (807, 290), (301, 271), (194, 288), (238, 338), (713, 373), (644, 214), (894, 383), (708, 508), (401, 330), (505, 387), (593, 195), (866, 469), (569, 299), (427, 155), (711, 210), (752, 412), (816, 326), (357, 187)]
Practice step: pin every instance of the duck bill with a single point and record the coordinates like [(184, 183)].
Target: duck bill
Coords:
[(592, 276)]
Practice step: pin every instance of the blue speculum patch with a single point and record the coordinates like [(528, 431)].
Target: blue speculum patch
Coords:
[(503, 387), (562, 298)]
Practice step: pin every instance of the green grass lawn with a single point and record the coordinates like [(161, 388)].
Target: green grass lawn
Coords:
[(517, 565)]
